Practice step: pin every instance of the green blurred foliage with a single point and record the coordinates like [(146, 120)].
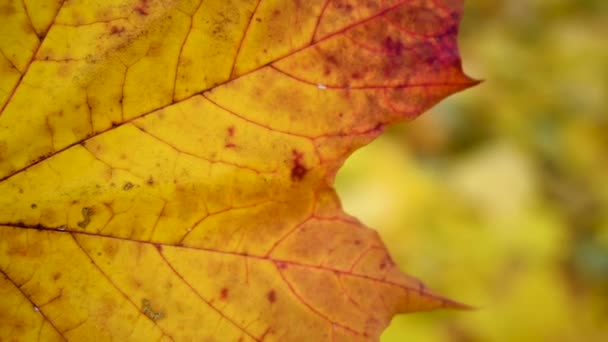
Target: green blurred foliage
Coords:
[(498, 197)]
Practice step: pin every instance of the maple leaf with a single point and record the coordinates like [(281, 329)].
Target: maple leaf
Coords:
[(166, 166)]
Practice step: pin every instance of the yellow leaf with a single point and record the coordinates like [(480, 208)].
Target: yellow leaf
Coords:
[(166, 166)]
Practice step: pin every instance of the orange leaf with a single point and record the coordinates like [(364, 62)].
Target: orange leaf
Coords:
[(166, 166)]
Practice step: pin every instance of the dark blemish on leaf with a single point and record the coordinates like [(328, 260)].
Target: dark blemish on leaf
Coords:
[(357, 242), (86, 214), (230, 134), (224, 294), (298, 170), (128, 186), (272, 296), (345, 7), (56, 276), (146, 308), (159, 247), (331, 59), (258, 20), (33, 206), (393, 46), (281, 265), (114, 30), (150, 181), (143, 7)]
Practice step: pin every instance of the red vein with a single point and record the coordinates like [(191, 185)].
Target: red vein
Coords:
[(238, 50), (349, 297), (107, 21), (29, 18), (27, 67), (319, 18), (373, 87), (181, 48), (310, 307), (286, 235), (211, 161), (420, 289), (38, 309), (107, 277), (255, 122), (10, 62), (223, 211), (287, 55), (153, 230), (203, 299), (361, 256)]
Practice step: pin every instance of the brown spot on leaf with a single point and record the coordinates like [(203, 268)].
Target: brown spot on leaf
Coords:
[(114, 30), (128, 186), (229, 135), (272, 296), (148, 311), (393, 46), (224, 293), (33, 206), (298, 170), (86, 217), (143, 8), (56, 276)]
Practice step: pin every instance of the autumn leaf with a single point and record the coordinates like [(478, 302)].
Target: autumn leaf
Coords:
[(166, 166)]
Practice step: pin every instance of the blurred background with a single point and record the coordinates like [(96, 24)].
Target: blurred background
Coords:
[(498, 197)]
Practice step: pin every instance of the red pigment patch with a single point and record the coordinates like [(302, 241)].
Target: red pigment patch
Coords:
[(143, 7), (298, 171), (114, 30), (224, 294), (230, 134), (394, 47), (272, 296)]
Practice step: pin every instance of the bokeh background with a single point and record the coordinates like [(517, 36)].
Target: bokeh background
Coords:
[(498, 197)]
